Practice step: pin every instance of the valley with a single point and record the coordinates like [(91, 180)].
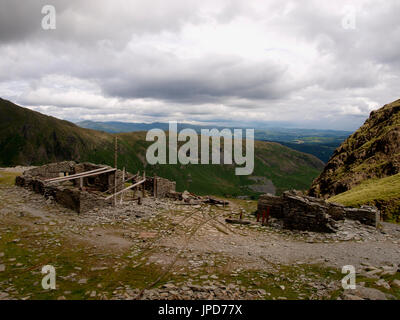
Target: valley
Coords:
[(30, 138)]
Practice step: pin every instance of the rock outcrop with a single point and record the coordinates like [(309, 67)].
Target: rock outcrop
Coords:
[(373, 151), (299, 212)]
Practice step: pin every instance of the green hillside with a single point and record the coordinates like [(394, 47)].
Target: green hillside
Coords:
[(383, 193), (31, 138), (373, 151)]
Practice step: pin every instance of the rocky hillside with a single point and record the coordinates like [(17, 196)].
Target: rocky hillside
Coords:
[(31, 138), (373, 151)]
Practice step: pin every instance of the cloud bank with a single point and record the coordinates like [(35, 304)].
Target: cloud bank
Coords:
[(227, 62)]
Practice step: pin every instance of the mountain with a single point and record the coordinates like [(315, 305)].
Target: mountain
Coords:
[(372, 152), (120, 127), (320, 143), (30, 138)]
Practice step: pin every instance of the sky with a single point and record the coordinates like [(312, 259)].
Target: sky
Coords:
[(307, 64)]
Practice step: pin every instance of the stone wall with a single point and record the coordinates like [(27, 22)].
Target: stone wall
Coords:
[(67, 197), (366, 215), (70, 197), (300, 212), (273, 202), (164, 187), (52, 170), (68, 193)]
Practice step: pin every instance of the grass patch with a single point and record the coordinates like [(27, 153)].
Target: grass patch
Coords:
[(384, 193), (8, 178)]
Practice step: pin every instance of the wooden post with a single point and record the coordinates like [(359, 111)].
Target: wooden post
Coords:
[(155, 186), (123, 186), (143, 186), (81, 183), (263, 217), (115, 166)]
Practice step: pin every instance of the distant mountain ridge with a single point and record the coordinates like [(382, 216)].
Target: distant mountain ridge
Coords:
[(320, 143), (120, 127), (31, 138)]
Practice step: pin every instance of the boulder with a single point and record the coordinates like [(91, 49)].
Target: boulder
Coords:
[(369, 293)]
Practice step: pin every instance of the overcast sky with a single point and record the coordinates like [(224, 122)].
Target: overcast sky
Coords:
[(314, 64)]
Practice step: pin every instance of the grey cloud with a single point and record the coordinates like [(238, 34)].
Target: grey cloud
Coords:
[(201, 80), (89, 21), (109, 59)]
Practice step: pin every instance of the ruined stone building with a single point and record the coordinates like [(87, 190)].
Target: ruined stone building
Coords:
[(83, 186)]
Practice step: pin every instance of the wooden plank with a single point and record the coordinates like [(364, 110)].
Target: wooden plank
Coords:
[(76, 174), (234, 221), (129, 179), (127, 188), (83, 176), (122, 183)]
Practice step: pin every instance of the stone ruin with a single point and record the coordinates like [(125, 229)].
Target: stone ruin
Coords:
[(300, 212), (92, 190)]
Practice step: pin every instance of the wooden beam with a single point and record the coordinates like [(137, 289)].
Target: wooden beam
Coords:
[(129, 179), (82, 176), (76, 174), (123, 181), (127, 188), (143, 189)]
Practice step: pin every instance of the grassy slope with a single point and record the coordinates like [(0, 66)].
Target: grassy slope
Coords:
[(28, 137), (384, 193), (31, 138)]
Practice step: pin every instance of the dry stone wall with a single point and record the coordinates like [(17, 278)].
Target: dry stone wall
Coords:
[(164, 187), (300, 212)]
